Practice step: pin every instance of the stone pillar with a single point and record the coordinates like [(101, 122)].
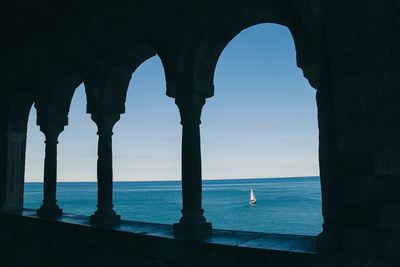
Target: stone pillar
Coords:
[(105, 215), (49, 207), (14, 184), (329, 174), (192, 223)]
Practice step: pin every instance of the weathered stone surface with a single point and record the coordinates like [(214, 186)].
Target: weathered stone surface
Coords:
[(358, 190), (387, 162), (360, 215), (359, 240), (386, 189), (364, 75), (389, 218)]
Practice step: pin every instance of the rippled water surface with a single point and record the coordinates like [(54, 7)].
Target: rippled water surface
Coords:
[(284, 205)]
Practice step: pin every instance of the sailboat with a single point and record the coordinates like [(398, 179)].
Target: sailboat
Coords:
[(252, 198)]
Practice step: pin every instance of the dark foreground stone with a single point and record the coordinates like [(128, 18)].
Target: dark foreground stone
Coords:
[(70, 240)]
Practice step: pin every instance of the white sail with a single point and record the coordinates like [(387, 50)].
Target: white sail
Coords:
[(252, 197)]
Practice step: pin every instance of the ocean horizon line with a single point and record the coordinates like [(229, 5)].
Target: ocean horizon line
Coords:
[(178, 180)]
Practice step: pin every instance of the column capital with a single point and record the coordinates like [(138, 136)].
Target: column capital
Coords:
[(105, 121), (190, 106), (52, 131)]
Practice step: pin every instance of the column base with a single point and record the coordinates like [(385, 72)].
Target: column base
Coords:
[(52, 211), (105, 218), (192, 230)]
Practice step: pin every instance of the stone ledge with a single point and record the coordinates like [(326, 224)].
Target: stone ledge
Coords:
[(71, 239), (277, 242)]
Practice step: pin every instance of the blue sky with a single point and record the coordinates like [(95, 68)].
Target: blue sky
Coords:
[(261, 122)]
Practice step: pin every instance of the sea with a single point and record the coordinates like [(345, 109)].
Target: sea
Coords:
[(284, 205)]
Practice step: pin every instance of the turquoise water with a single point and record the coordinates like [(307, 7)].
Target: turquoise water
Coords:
[(284, 205)]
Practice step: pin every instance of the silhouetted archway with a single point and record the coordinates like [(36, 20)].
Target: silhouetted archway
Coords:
[(262, 123), (146, 151)]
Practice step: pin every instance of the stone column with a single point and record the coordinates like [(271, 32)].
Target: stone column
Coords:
[(49, 207), (105, 215), (330, 238), (14, 184), (192, 223)]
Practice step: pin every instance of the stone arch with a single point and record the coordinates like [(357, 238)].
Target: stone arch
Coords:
[(256, 71), (163, 47), (313, 59), (52, 103), (218, 36), (19, 112), (106, 82), (146, 96), (55, 99)]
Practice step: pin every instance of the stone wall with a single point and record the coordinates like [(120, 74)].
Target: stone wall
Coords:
[(362, 39), (363, 46), (371, 214)]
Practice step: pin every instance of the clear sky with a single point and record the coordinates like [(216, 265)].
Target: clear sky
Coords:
[(261, 122)]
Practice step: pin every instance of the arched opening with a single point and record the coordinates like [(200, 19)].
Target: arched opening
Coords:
[(76, 161), (77, 155), (33, 193), (261, 123), (147, 140), (146, 150), (146, 154)]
